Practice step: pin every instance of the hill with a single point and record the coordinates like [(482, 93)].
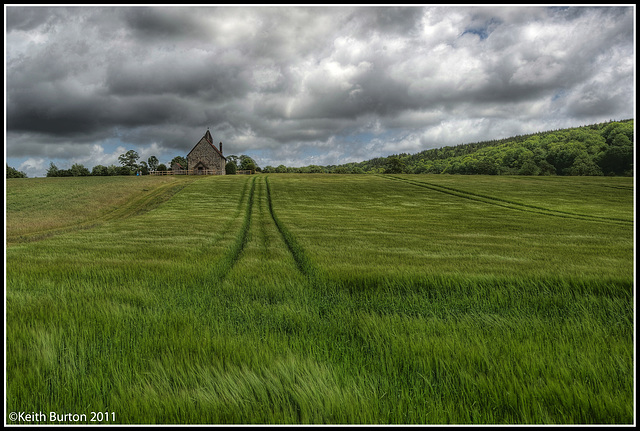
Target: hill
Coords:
[(320, 299), (597, 149)]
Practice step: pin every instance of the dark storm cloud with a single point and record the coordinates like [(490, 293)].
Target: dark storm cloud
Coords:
[(398, 21), (163, 23), (29, 18), (307, 83)]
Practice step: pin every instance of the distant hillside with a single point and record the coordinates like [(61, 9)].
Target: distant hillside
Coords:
[(598, 149)]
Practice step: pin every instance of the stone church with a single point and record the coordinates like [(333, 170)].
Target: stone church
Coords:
[(205, 158)]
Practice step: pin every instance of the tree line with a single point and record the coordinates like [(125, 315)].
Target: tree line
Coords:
[(598, 149), (130, 164)]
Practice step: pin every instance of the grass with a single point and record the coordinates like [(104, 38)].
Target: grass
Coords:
[(397, 229), (46, 206), (327, 299)]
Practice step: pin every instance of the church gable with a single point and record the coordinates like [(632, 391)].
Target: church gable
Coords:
[(205, 158)]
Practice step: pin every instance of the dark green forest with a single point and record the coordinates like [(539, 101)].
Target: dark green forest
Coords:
[(598, 149)]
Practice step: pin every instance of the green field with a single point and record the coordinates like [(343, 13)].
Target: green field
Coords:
[(322, 299)]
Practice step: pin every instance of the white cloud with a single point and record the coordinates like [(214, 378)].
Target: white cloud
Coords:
[(289, 82), (33, 166)]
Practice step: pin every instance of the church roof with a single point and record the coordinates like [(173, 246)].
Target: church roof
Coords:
[(207, 137)]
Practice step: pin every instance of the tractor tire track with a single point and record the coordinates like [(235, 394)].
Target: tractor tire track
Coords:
[(490, 200), (304, 264), (222, 267)]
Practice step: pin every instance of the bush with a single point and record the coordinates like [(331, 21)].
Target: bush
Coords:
[(14, 173), (230, 168)]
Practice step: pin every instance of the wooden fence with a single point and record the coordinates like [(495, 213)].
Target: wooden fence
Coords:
[(194, 172), (184, 172)]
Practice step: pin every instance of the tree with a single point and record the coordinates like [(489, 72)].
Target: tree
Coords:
[(179, 159), (529, 167), (247, 163), (123, 170), (394, 166), (341, 170), (562, 155), (617, 161), (129, 160), (153, 163), (53, 170), (100, 170), (611, 131), (161, 167), (230, 168), (113, 170), (78, 170), (621, 140), (487, 166), (233, 159), (14, 173), (143, 168), (546, 168), (583, 165)]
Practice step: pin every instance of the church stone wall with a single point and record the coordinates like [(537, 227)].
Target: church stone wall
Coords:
[(205, 156)]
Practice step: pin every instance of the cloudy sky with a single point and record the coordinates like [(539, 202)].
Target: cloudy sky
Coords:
[(304, 85)]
